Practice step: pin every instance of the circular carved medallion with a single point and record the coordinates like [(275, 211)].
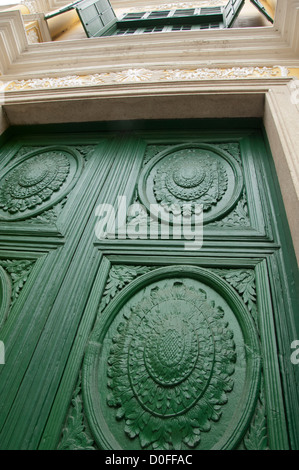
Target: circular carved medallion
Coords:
[(189, 176), (167, 364), (38, 181)]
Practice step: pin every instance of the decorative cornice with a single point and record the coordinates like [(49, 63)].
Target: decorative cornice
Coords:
[(13, 41), (258, 47), (142, 5), (43, 6), (38, 6), (36, 28), (171, 5), (146, 75)]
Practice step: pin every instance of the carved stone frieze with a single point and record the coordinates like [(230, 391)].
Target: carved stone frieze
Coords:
[(146, 75)]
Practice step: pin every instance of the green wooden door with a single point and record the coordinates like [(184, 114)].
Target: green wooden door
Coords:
[(135, 339)]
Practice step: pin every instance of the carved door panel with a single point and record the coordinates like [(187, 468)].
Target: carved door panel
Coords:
[(137, 339)]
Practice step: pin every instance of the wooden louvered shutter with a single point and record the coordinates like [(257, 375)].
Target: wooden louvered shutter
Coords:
[(231, 11), (96, 16), (262, 9)]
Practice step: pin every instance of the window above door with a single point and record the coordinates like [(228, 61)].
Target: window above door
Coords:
[(98, 18)]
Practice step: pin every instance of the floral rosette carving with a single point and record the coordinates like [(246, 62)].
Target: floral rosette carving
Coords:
[(191, 177), (170, 367), (33, 181)]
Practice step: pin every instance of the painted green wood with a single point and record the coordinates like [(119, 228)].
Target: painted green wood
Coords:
[(231, 11), (59, 11), (173, 17), (262, 9), (96, 16), (163, 390), (221, 15), (157, 21), (169, 316)]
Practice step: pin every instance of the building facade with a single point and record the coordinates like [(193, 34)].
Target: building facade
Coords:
[(121, 328)]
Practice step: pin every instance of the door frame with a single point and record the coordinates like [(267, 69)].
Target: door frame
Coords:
[(269, 100)]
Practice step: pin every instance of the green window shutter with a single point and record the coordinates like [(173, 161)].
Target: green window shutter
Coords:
[(184, 12), (211, 12), (177, 20), (178, 17), (96, 16), (231, 11), (262, 9), (134, 16), (158, 14)]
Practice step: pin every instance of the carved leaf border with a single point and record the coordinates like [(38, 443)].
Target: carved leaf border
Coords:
[(243, 281), (256, 437), (75, 433), (18, 271), (119, 276)]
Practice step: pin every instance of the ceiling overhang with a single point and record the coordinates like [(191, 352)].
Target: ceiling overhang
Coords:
[(273, 45)]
